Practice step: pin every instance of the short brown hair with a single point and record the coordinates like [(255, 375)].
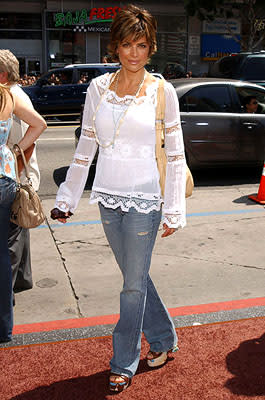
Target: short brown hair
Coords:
[(9, 63), (133, 22)]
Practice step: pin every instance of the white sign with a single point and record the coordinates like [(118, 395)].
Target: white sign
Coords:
[(220, 25), (57, 64), (194, 45)]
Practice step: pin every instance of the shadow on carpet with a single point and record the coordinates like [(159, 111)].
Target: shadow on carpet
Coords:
[(218, 361)]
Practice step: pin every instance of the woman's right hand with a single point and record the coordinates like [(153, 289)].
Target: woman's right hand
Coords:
[(60, 215)]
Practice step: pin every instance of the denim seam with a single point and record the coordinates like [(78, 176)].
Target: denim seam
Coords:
[(141, 299), (164, 312)]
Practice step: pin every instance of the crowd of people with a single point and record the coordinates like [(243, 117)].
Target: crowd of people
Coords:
[(171, 71), (27, 80)]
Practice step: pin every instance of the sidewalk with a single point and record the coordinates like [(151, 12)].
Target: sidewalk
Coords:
[(217, 258)]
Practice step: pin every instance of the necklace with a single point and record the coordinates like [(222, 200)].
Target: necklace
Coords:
[(117, 124)]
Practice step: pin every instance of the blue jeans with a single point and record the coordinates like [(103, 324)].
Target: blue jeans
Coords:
[(7, 195), (131, 236)]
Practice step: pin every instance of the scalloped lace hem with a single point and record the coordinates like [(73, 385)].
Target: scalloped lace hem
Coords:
[(125, 203)]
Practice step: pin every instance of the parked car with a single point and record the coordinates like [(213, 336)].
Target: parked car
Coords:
[(245, 66), (217, 129), (62, 91)]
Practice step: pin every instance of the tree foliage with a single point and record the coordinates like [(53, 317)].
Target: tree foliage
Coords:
[(250, 12)]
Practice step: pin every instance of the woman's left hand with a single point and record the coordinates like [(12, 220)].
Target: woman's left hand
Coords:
[(167, 231)]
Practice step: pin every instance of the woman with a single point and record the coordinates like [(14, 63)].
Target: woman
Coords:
[(119, 116), (251, 104), (10, 104)]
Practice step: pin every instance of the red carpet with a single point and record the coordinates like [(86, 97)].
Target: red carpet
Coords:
[(215, 362)]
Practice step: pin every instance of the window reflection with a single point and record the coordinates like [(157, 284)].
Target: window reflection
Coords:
[(66, 47), (207, 99), (59, 78)]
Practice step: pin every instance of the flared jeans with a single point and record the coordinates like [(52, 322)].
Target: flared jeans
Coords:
[(7, 195), (131, 236)]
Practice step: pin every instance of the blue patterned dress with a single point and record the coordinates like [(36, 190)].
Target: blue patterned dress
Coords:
[(7, 163)]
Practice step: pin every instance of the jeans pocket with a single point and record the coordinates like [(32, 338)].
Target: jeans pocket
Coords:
[(7, 191)]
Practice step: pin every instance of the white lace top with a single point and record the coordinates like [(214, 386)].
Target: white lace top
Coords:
[(126, 173)]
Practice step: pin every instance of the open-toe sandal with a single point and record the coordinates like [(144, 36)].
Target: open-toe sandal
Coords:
[(157, 359), (118, 382)]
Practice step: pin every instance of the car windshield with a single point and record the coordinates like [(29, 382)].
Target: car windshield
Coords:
[(224, 67), (85, 76), (254, 69), (63, 77)]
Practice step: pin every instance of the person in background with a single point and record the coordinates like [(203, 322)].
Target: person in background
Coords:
[(250, 104), (106, 59), (9, 105), (119, 116), (19, 238)]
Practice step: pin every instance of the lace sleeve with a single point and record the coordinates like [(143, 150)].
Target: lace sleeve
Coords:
[(71, 190), (174, 211)]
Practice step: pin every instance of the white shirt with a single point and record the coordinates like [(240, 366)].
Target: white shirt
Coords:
[(17, 131), (126, 173)]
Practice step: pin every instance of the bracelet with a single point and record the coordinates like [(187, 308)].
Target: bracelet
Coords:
[(16, 149)]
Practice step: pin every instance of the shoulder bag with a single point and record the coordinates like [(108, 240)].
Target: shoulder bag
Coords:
[(160, 138), (27, 210)]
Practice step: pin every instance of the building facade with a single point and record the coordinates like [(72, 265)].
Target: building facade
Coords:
[(46, 34)]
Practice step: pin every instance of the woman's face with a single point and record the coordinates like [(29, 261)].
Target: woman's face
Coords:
[(133, 54), (252, 106)]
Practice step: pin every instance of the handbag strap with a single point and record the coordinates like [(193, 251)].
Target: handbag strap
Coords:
[(16, 146), (160, 114)]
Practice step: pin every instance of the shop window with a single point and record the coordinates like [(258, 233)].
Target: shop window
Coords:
[(171, 44), (66, 47), (20, 35), (104, 42), (20, 21), (168, 23)]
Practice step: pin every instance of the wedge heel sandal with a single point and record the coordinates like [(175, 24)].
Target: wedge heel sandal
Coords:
[(155, 359)]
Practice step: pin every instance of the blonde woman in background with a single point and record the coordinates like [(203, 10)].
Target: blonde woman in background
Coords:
[(19, 238), (10, 104)]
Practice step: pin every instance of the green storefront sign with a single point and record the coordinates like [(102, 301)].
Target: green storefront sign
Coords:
[(85, 17)]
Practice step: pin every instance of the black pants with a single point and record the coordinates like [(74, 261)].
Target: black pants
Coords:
[(19, 249)]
